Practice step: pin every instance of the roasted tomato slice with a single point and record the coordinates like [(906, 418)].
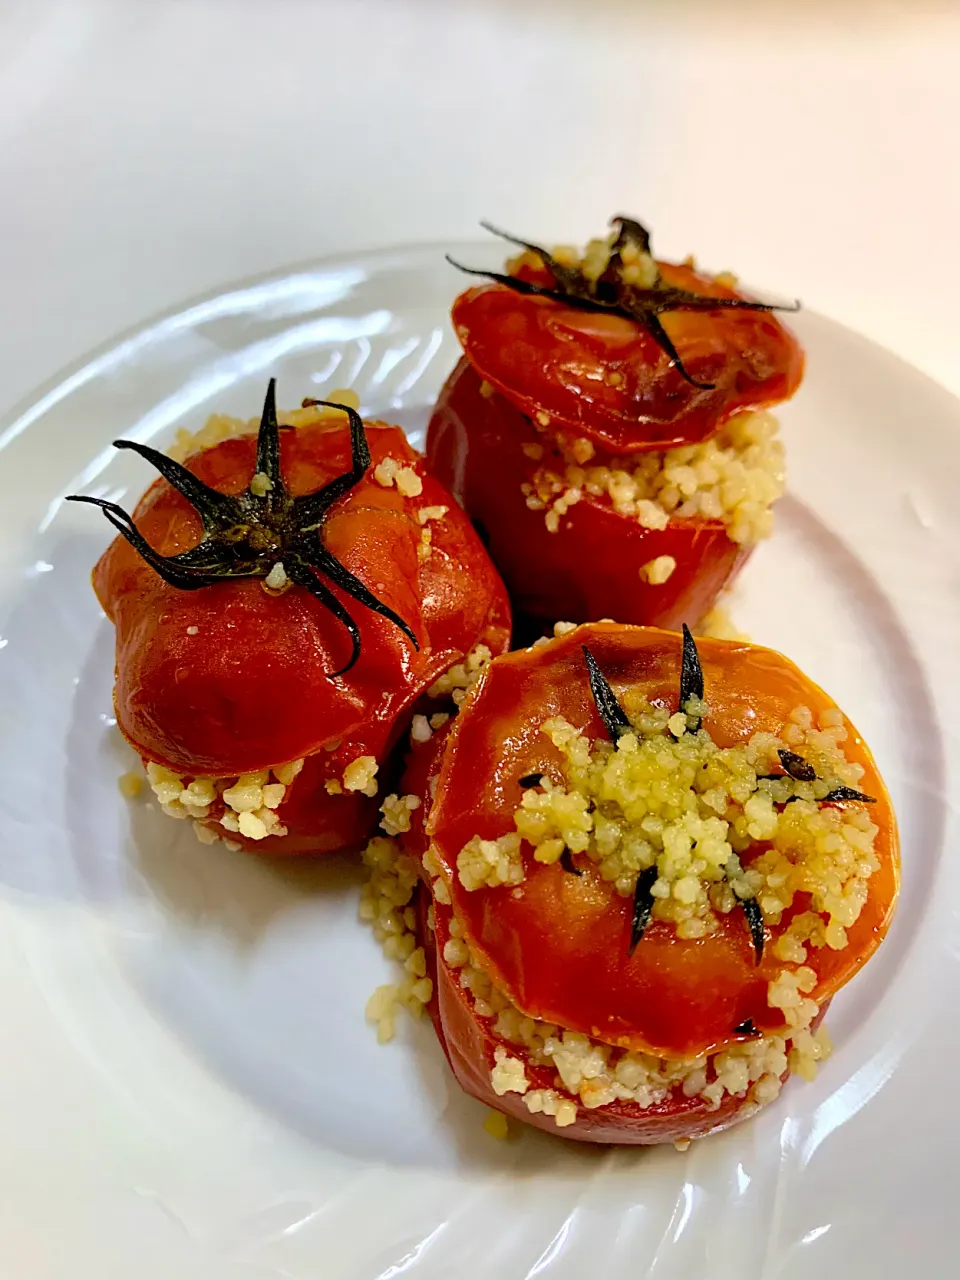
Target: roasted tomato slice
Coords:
[(590, 565), (233, 678), (563, 946), (607, 378)]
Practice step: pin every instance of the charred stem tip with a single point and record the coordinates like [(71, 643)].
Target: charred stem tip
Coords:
[(568, 864), (268, 419), (691, 672), (461, 266), (348, 409), (498, 231), (840, 795), (751, 909), (796, 766), (610, 711), (642, 906)]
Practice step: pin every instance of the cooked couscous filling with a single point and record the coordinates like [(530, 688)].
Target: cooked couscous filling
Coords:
[(386, 905), (764, 820), (589, 1073), (735, 477), (245, 805), (220, 427), (637, 266)]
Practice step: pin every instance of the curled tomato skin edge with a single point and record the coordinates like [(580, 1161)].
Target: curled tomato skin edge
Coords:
[(606, 378), (557, 944), (589, 567)]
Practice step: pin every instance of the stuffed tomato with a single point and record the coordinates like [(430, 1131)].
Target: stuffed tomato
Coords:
[(281, 602), (646, 872), (608, 429)]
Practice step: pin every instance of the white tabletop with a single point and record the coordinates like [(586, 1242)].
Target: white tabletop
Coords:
[(154, 149)]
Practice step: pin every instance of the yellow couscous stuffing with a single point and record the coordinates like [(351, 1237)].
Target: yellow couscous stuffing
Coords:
[(495, 1123), (658, 570), (219, 427), (385, 905), (718, 625), (277, 578), (361, 775), (734, 477), (130, 784), (460, 679), (397, 811), (249, 801), (391, 472), (669, 797)]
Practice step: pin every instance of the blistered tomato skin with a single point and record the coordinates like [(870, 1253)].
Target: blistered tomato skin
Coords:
[(232, 678), (558, 944), (604, 377), (590, 566)]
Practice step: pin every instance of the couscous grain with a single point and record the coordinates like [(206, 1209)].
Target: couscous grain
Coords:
[(669, 797)]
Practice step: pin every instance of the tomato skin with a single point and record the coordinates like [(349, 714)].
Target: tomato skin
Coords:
[(604, 377), (470, 1041), (230, 679), (590, 567), (558, 944)]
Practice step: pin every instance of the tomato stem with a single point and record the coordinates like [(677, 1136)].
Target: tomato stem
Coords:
[(247, 534), (691, 675), (642, 905), (611, 713), (611, 294)]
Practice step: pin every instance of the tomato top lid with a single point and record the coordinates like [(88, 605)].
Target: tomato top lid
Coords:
[(632, 353), (263, 533), (257, 677), (567, 771)]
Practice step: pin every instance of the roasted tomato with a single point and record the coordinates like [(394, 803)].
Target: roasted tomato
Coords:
[(660, 885), (287, 598), (571, 374)]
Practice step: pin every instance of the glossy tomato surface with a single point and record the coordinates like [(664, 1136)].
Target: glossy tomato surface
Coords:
[(480, 446), (558, 944), (606, 378), (230, 678)]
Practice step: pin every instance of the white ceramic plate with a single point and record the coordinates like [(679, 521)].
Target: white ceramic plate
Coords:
[(188, 1087)]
